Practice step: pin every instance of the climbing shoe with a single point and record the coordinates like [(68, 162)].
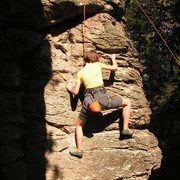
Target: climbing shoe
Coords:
[(76, 152), (127, 132)]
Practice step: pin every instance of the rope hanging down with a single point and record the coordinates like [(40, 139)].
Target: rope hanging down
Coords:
[(158, 32), (84, 30)]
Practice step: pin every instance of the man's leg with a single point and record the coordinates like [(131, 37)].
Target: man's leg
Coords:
[(126, 104), (79, 133), (78, 151), (116, 102)]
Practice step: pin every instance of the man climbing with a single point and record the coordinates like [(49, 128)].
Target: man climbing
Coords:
[(91, 76)]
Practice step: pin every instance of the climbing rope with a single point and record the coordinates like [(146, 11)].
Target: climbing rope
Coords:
[(158, 32), (84, 30)]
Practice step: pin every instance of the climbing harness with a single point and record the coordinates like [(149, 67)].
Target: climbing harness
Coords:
[(94, 103)]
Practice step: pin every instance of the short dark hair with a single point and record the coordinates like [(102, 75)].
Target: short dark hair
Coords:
[(91, 56)]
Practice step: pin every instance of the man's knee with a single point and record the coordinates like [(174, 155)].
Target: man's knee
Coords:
[(80, 122), (126, 102)]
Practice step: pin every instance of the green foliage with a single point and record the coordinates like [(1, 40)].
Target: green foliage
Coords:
[(161, 74)]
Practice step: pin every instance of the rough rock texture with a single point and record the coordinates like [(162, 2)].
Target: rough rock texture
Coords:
[(37, 114)]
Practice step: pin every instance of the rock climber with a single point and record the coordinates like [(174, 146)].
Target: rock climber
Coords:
[(91, 77)]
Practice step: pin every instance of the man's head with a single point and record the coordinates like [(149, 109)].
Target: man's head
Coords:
[(91, 57)]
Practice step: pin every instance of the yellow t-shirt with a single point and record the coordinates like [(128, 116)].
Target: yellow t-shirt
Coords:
[(91, 75)]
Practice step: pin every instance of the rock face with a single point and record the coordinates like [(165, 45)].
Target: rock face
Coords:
[(39, 55)]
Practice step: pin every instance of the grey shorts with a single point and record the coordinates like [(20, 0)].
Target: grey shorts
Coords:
[(106, 102)]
